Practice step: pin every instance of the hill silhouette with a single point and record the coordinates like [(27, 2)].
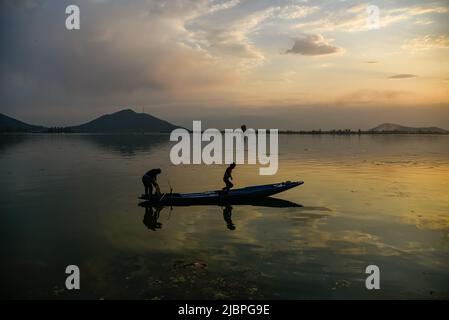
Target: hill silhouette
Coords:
[(8, 124), (125, 121), (392, 127)]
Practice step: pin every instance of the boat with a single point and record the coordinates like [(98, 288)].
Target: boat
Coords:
[(233, 196)]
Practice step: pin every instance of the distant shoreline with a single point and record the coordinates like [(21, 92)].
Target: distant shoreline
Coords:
[(351, 132), (286, 132), (129, 122)]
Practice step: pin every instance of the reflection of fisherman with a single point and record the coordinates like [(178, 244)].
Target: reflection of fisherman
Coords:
[(227, 214), (151, 217), (149, 181)]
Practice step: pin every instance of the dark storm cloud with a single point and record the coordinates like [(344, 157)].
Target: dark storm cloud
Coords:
[(124, 52)]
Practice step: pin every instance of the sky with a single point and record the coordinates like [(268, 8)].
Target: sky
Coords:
[(270, 64)]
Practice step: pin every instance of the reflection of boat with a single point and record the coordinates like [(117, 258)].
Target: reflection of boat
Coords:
[(152, 210), (235, 196), (257, 202)]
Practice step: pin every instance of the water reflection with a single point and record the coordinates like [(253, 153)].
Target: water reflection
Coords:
[(227, 216), (388, 200), (151, 217), (153, 210), (261, 202), (9, 141), (126, 145)]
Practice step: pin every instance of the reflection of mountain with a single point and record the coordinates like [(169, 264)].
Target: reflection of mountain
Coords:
[(122, 144), (127, 145), (8, 141)]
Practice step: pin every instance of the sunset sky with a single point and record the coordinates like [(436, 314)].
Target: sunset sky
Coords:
[(277, 64)]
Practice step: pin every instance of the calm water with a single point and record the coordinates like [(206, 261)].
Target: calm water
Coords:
[(366, 200)]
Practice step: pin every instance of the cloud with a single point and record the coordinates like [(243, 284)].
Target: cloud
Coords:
[(115, 58), (294, 11), (370, 97), (353, 18), (420, 10), (403, 76), (223, 5), (423, 22), (313, 45), (147, 52), (184, 52), (428, 42), (229, 37), (371, 61)]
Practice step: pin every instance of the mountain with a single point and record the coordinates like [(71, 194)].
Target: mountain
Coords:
[(391, 127), (125, 121), (8, 124)]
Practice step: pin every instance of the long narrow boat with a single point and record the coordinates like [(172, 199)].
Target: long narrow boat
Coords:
[(219, 196)]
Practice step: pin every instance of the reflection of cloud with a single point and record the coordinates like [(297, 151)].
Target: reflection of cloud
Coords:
[(403, 76), (313, 45), (429, 221), (350, 242)]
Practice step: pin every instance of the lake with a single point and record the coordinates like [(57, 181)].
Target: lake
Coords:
[(367, 200)]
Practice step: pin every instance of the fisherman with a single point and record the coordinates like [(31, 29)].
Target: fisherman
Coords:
[(228, 176), (149, 180)]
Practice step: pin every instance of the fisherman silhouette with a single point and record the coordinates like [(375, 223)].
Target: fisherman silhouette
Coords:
[(228, 177), (227, 215), (150, 218), (149, 181)]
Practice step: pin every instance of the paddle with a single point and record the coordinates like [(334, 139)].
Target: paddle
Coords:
[(171, 189), (164, 194)]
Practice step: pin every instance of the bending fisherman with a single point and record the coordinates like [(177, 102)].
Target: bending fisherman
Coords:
[(149, 181)]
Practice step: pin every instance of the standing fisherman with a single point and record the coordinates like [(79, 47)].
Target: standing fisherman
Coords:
[(228, 177)]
